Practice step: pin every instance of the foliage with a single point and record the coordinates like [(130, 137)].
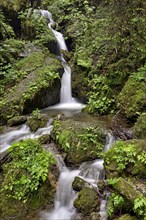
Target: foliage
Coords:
[(130, 100), (127, 158), (139, 129), (140, 206), (34, 26), (81, 143), (101, 99), (27, 170), (115, 203)]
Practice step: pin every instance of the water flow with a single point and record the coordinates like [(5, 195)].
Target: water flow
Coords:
[(21, 133), (91, 172), (66, 99)]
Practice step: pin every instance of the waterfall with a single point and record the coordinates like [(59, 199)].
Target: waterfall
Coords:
[(66, 99), (91, 172)]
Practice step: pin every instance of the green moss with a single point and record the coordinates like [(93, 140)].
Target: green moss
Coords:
[(87, 201), (26, 180), (139, 128), (127, 217), (78, 183), (79, 142), (14, 5), (132, 100), (126, 158), (27, 89), (35, 122)]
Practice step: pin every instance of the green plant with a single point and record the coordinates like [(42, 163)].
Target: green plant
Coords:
[(123, 155), (140, 206), (28, 169), (100, 98), (36, 113), (115, 203)]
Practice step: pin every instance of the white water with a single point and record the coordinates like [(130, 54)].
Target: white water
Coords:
[(66, 99), (21, 133), (91, 172)]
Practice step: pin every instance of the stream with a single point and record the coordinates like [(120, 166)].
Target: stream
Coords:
[(91, 172)]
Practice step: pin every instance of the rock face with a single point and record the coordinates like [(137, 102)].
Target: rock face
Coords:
[(132, 101), (139, 129), (80, 141), (39, 88), (87, 201)]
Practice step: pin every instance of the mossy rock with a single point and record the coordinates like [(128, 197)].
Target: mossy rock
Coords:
[(132, 98), (127, 217), (39, 89), (14, 5), (78, 183), (30, 175), (87, 201), (18, 120), (37, 122), (81, 141), (139, 129), (126, 158)]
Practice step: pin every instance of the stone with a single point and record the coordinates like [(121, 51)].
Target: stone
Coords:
[(87, 201)]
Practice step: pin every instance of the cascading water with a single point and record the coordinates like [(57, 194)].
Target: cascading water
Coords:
[(66, 99), (91, 172), (22, 132)]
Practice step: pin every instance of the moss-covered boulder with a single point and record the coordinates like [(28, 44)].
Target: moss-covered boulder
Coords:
[(37, 120), (126, 158), (127, 217), (87, 201), (139, 129), (78, 183), (38, 88), (18, 120), (132, 98), (28, 182), (80, 141)]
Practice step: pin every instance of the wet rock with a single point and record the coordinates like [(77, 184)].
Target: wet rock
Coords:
[(81, 141), (87, 201), (78, 183), (126, 189), (17, 120), (35, 122), (41, 87)]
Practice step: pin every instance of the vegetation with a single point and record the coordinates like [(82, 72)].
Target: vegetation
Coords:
[(107, 54), (27, 170), (79, 142), (26, 179)]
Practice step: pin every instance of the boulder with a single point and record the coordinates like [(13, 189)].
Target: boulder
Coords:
[(81, 141), (139, 129), (38, 89), (78, 183), (87, 201), (18, 120), (126, 158), (132, 101)]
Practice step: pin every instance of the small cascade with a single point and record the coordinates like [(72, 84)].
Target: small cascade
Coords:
[(22, 133), (9, 137), (66, 99), (63, 206), (91, 172)]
